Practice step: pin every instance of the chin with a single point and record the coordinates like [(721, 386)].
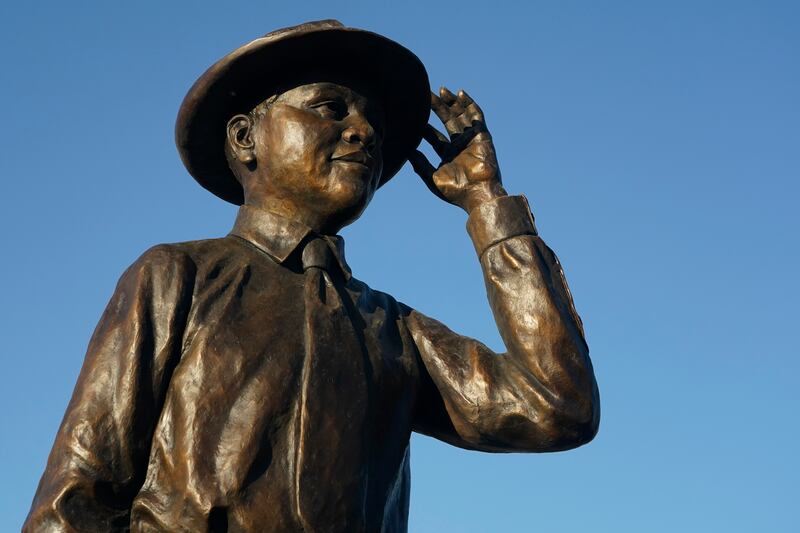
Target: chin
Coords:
[(348, 191), (353, 204), (348, 202), (352, 188)]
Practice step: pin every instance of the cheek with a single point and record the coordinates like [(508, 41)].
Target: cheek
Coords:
[(298, 146), (303, 145)]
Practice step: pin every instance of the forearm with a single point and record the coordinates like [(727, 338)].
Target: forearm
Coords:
[(548, 360), (540, 395)]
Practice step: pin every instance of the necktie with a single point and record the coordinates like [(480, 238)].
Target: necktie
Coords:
[(331, 450)]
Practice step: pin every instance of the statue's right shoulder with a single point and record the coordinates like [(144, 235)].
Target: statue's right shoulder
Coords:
[(192, 257), (199, 251), (180, 257)]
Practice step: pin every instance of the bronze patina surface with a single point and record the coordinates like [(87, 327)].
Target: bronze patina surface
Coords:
[(252, 383)]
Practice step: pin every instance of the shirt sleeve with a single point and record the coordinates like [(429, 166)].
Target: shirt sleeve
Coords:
[(99, 459), (541, 394)]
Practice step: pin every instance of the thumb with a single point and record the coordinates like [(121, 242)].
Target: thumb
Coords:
[(425, 170), (421, 165)]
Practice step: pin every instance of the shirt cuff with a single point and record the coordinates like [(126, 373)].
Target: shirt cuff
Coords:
[(498, 220)]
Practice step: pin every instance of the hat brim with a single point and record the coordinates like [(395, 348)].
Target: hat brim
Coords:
[(255, 71)]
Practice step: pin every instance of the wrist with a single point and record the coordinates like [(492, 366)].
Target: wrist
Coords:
[(494, 222), (483, 193)]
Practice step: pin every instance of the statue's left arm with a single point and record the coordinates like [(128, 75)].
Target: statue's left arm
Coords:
[(99, 459), (541, 394)]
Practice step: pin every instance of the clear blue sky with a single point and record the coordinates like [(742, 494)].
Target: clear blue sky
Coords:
[(658, 143)]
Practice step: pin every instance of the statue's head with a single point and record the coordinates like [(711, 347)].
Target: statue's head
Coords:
[(307, 121), (312, 152)]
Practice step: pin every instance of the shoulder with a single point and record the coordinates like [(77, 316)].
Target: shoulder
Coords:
[(191, 260), (372, 299), (184, 254), (163, 254), (162, 258), (392, 308), (175, 261)]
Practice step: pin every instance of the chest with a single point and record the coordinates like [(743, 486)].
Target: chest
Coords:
[(247, 338)]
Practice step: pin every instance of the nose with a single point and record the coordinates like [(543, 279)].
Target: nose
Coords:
[(360, 131)]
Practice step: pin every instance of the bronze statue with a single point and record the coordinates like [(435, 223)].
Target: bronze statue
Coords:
[(251, 383)]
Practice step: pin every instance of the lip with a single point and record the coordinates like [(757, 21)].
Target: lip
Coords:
[(359, 156)]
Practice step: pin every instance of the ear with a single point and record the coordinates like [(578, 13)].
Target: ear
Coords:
[(240, 138)]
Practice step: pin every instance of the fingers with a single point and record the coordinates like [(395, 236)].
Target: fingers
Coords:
[(471, 108), (447, 149), (423, 167), (461, 141), (446, 105), (438, 140), (457, 112), (464, 98), (441, 109), (446, 96)]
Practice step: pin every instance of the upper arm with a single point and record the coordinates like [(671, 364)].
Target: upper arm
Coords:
[(98, 461), (464, 397), (474, 398)]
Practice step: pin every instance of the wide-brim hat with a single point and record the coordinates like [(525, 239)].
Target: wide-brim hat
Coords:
[(253, 72)]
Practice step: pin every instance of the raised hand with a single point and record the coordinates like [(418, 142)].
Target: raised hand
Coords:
[(468, 174)]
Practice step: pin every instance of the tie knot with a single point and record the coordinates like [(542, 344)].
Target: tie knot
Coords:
[(317, 254)]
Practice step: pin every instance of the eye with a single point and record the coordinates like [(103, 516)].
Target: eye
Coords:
[(333, 109)]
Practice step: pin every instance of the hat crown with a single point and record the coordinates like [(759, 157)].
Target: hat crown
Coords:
[(306, 26)]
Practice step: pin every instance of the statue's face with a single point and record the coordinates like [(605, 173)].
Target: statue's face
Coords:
[(318, 147)]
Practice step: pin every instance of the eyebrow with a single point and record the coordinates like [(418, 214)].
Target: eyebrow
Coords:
[(327, 87)]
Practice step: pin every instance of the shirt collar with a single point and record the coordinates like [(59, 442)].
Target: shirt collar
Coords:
[(278, 236)]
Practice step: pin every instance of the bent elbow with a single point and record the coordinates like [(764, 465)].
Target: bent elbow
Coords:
[(572, 414), (574, 426), (583, 431), (551, 429)]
